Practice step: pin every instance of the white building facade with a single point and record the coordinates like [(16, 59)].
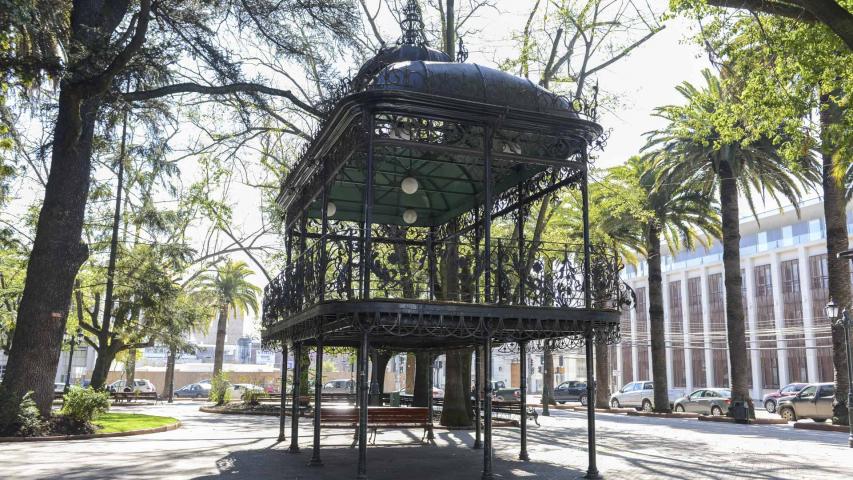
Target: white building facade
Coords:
[(783, 266)]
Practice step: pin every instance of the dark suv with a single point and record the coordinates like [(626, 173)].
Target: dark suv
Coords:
[(571, 391), (814, 401)]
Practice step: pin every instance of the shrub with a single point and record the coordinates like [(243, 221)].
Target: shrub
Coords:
[(20, 418), (83, 405), (252, 398), (220, 389)]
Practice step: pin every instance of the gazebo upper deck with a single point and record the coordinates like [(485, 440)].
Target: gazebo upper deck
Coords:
[(389, 212)]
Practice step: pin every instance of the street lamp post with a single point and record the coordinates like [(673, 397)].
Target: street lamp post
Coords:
[(73, 341)]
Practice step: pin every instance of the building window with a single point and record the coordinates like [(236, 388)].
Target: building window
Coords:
[(745, 304), (696, 332), (642, 340), (676, 329), (627, 367), (719, 343), (766, 325), (818, 272), (795, 343)]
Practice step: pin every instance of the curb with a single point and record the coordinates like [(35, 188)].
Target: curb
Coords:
[(663, 415), (822, 427), (756, 421), (246, 412), (606, 410), (89, 436)]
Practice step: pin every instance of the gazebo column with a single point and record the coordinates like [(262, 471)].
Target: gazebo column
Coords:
[(318, 391), (487, 418), (362, 405), (283, 406), (487, 344), (294, 405), (430, 437), (522, 352), (478, 385), (367, 214), (592, 469)]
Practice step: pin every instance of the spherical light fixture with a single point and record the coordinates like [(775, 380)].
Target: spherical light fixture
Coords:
[(331, 209), (410, 216), (409, 185)]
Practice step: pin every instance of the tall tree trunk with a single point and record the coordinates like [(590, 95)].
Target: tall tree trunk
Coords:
[(219, 353), (838, 269), (450, 29), (304, 365), (56, 256), (130, 367), (457, 389), (733, 282), (656, 319), (603, 376), (548, 380), (101, 369), (169, 380), (379, 362), (423, 364), (410, 372)]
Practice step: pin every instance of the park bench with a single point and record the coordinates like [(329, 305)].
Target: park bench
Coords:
[(378, 417), (513, 409), (127, 397), (325, 398)]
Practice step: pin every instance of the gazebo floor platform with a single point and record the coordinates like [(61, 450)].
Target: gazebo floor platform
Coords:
[(399, 455), (416, 324)]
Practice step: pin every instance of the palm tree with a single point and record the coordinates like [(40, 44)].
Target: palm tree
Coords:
[(231, 291), (614, 221), (681, 215), (692, 150)]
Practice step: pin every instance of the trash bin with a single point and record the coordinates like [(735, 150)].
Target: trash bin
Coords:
[(740, 411), (394, 399)]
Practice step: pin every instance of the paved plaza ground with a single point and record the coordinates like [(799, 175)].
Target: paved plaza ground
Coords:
[(245, 447)]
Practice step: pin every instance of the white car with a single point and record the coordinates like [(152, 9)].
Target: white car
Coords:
[(639, 395), (139, 385), (239, 388)]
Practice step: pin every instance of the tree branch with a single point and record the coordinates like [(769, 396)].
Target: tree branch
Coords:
[(239, 87), (782, 9)]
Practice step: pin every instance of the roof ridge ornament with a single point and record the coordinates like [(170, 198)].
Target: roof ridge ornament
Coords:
[(412, 24)]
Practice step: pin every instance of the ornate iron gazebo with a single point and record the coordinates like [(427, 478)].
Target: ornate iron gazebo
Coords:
[(391, 226)]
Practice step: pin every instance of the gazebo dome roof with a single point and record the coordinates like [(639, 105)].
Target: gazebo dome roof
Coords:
[(468, 81), (398, 53)]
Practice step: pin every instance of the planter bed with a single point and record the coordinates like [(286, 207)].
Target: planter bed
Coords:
[(824, 427), (756, 421), (88, 436), (663, 415)]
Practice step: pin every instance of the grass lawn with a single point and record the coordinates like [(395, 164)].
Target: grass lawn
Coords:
[(123, 422)]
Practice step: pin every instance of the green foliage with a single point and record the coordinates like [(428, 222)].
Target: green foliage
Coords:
[(230, 287), (220, 389), (785, 70), (20, 417), (706, 133), (84, 404), (252, 397)]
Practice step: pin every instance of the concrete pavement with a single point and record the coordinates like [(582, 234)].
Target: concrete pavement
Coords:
[(238, 447)]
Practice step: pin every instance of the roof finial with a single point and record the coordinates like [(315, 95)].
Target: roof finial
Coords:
[(462, 53), (412, 24)]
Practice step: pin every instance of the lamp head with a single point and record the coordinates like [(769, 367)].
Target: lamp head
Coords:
[(831, 309)]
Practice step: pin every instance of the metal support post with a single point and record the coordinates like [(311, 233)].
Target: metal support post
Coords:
[(294, 405), (522, 347), (318, 399), (281, 436)]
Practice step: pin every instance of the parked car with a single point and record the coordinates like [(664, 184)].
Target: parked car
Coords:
[(639, 395), (814, 401), (571, 391), (437, 392), (239, 388), (344, 385), (707, 401), (771, 400), (193, 390), (507, 395), (139, 385)]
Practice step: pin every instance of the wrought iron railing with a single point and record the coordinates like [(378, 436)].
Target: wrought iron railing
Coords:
[(522, 273)]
